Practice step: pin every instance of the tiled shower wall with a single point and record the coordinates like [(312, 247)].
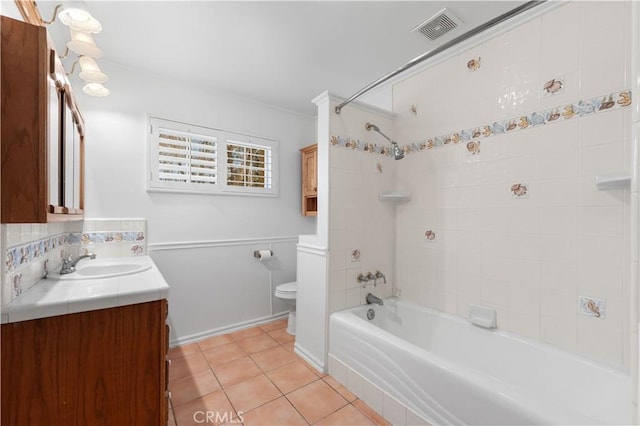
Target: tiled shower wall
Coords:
[(512, 219), (361, 227)]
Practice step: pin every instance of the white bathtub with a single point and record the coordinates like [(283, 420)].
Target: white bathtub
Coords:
[(451, 372)]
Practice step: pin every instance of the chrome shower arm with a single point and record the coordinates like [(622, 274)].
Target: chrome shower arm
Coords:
[(375, 128)]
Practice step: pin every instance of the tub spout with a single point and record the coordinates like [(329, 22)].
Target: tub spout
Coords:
[(373, 299)]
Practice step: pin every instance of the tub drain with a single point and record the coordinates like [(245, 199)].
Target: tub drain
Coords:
[(371, 314)]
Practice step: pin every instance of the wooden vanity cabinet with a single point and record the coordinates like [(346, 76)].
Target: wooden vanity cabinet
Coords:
[(104, 367), (310, 180), (34, 130)]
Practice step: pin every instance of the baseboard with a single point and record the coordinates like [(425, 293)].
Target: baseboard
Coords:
[(315, 363), (226, 329)]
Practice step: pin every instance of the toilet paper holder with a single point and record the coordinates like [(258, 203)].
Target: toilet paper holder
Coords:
[(257, 255)]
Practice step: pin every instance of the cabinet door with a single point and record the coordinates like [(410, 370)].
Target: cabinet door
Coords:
[(311, 175)]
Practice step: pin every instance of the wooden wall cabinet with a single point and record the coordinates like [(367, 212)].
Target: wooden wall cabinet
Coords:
[(310, 180), (103, 367), (42, 131)]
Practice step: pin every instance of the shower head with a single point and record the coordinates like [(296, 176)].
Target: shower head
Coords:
[(396, 151)]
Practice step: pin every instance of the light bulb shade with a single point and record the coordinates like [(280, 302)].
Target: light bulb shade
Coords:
[(82, 43), (90, 71), (79, 20), (95, 89)]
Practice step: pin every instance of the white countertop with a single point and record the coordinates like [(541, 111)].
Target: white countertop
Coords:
[(50, 297)]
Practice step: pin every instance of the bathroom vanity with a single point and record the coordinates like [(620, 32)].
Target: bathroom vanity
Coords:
[(87, 351)]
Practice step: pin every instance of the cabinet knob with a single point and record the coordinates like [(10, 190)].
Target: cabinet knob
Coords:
[(315, 188)]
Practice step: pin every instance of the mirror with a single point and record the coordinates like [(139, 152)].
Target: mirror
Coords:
[(54, 144)]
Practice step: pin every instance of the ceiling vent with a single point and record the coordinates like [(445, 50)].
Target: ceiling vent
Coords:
[(438, 25)]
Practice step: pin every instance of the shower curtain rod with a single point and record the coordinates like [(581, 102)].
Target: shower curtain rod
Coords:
[(477, 30)]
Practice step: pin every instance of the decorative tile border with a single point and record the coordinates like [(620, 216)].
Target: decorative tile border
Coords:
[(30, 252), (36, 250), (108, 237), (608, 102), (358, 145)]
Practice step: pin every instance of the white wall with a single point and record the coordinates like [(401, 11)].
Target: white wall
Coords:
[(201, 284)]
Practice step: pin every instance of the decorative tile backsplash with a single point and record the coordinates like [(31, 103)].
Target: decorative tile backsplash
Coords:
[(30, 255), (33, 250), (26, 253), (582, 108), (113, 237)]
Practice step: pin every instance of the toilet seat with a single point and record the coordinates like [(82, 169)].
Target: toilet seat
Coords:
[(287, 290)]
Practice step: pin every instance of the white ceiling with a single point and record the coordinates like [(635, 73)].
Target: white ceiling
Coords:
[(279, 53)]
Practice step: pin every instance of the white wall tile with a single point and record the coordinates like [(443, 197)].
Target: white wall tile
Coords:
[(355, 383), (373, 396), (338, 370), (393, 410), (603, 251)]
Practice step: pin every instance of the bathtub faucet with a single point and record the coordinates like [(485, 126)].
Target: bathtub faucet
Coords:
[(381, 275), (374, 299)]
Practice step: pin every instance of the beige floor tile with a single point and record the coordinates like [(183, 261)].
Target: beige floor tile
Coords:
[(289, 346), (346, 416), (272, 358), (291, 376), (192, 387), (223, 354), (275, 325), (257, 343), (278, 412), (282, 336), (182, 351), (195, 412), (252, 393), (236, 371), (215, 341), (340, 389), (369, 412), (316, 401), (187, 366), (247, 332)]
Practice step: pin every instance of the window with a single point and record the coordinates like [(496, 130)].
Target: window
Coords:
[(187, 158)]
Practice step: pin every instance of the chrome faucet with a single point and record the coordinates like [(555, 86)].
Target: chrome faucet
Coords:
[(381, 275), (69, 265), (374, 299)]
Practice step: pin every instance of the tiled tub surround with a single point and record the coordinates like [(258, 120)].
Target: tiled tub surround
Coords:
[(520, 224), (361, 227)]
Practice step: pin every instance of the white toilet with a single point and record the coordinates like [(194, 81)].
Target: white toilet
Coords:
[(289, 291)]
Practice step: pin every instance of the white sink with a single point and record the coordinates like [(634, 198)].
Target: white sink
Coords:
[(105, 268)]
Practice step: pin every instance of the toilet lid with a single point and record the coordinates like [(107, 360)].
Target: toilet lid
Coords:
[(291, 287)]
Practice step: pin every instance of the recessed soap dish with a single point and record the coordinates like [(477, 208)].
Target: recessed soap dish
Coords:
[(395, 196), (617, 181)]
